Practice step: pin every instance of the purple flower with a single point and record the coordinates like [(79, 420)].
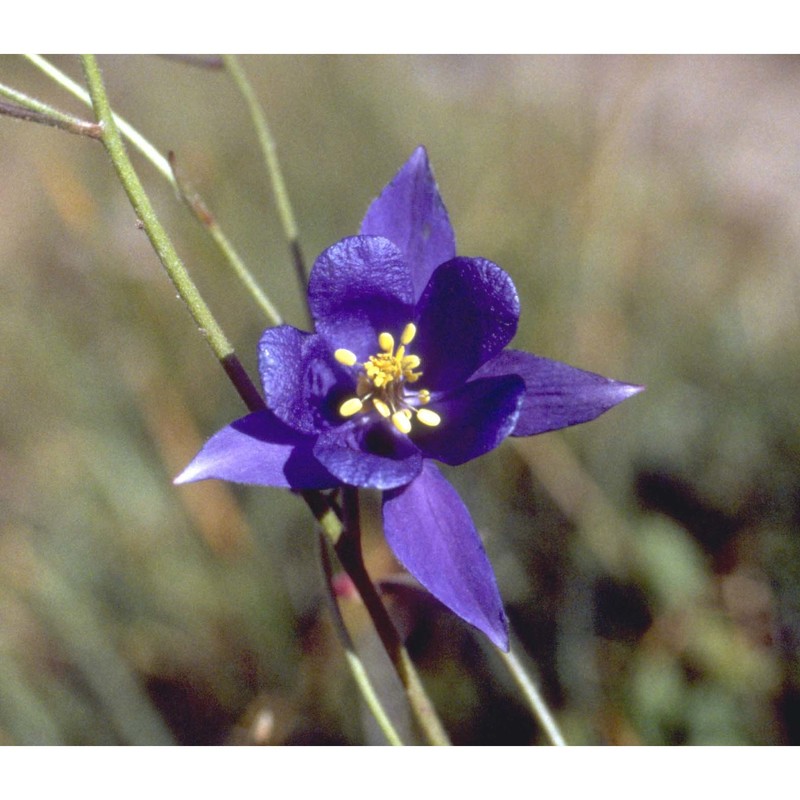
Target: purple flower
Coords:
[(406, 366)]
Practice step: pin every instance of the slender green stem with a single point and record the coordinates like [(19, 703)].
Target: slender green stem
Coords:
[(204, 216), (270, 152), (33, 110), (534, 698), (354, 662), (348, 550), (345, 536), (347, 547), (161, 242), (166, 168), (133, 136)]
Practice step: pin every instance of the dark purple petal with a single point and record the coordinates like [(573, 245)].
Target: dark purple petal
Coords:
[(410, 213), (556, 395), (467, 314), (369, 454), (303, 383), (259, 449), (475, 419), (432, 534), (358, 288)]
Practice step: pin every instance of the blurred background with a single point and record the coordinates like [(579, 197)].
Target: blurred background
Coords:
[(648, 210)]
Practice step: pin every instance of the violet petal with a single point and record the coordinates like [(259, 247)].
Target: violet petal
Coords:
[(369, 454), (303, 383), (410, 213), (259, 449), (556, 394), (432, 534), (468, 313), (475, 418), (358, 288)]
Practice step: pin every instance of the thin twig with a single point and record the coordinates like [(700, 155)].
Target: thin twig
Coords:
[(270, 152), (161, 242), (204, 216), (534, 698), (133, 136), (353, 661), (348, 550), (204, 62), (31, 110)]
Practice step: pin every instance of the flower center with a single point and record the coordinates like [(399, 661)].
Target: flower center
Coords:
[(384, 380)]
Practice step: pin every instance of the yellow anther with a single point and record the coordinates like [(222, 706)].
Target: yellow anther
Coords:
[(409, 332), (346, 357), (350, 407), (428, 417), (382, 381), (401, 421), (386, 342), (381, 407)]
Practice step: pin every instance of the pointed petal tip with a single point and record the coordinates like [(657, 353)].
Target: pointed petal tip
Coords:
[(630, 389), (420, 154), (187, 476), (499, 636), (431, 533)]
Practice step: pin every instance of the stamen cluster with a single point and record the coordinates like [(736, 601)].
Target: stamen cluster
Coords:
[(383, 383)]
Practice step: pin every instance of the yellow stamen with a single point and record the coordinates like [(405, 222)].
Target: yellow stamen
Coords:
[(428, 417), (409, 332), (386, 342), (382, 381), (346, 357), (350, 407), (381, 407), (401, 422)]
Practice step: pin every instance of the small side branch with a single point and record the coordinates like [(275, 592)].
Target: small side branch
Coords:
[(203, 215), (31, 110)]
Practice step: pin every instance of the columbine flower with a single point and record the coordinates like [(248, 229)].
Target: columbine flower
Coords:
[(406, 366)]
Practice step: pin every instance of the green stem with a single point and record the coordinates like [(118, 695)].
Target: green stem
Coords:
[(270, 152), (164, 248), (347, 547), (204, 216), (166, 167), (354, 662), (534, 698), (348, 550), (133, 136), (32, 110)]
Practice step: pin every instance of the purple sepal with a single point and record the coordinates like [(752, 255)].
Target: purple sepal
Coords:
[(432, 534), (410, 213), (467, 314), (556, 394), (259, 449)]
